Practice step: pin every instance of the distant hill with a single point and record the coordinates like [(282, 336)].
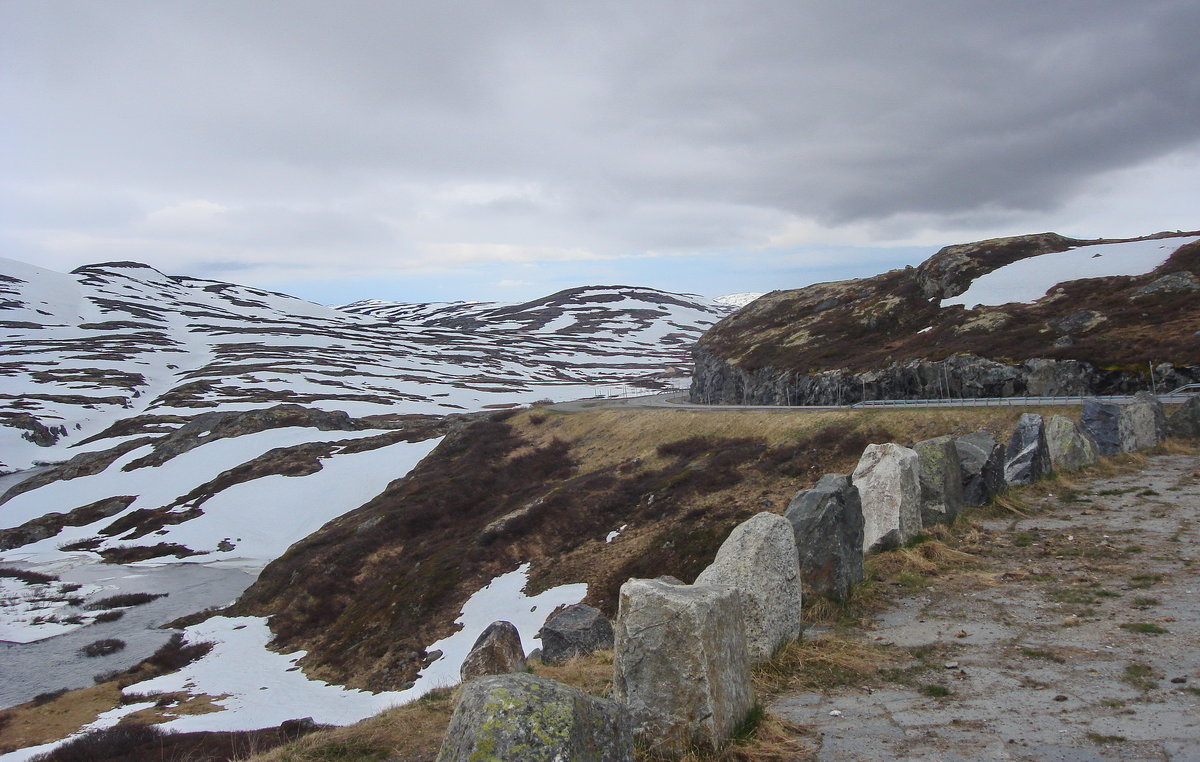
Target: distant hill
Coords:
[(1037, 314), (85, 350)]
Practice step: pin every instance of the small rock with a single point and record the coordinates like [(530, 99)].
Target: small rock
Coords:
[(960, 634), (1060, 697), (835, 713), (951, 665), (497, 651), (1178, 680)]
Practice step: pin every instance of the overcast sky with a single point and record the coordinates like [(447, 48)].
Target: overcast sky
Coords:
[(503, 150)]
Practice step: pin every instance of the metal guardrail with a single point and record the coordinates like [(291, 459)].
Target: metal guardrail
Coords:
[(1174, 396)]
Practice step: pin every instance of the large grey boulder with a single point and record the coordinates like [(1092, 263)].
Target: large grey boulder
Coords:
[(576, 630), (1028, 457), (941, 480), (526, 718), (759, 560), (981, 459), (1185, 421), (888, 478), (827, 522), (497, 651), (1143, 423), (1102, 422), (680, 664), (1070, 449)]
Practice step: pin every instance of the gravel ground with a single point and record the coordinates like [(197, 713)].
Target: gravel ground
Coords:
[(1076, 637)]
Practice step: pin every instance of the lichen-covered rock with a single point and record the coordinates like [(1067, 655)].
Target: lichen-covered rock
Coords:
[(526, 718), (497, 651), (827, 522), (1185, 421), (1070, 449), (680, 664), (1102, 422), (1028, 456), (941, 480), (1143, 423), (981, 459), (888, 479), (759, 559), (576, 630)]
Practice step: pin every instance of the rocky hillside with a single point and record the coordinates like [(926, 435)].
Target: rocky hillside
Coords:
[(1037, 314), (87, 349)]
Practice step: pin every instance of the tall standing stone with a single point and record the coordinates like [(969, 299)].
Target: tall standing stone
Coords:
[(1028, 456), (1070, 449), (1185, 421), (759, 560), (526, 718), (1143, 424), (577, 630), (497, 650), (1102, 422), (680, 664), (941, 480), (827, 522), (981, 459), (888, 478)]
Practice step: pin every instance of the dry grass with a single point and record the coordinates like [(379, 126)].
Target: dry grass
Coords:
[(819, 664), (409, 733), (590, 674), (30, 725), (773, 740)]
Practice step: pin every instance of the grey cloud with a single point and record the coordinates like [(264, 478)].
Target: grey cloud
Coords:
[(684, 125)]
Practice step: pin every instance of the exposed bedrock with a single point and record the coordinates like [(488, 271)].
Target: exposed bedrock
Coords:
[(718, 382)]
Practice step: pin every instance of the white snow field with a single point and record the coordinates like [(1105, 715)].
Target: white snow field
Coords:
[(1028, 280)]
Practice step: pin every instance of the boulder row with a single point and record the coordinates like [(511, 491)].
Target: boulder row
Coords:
[(576, 630), (1028, 456), (981, 459), (1070, 449), (1185, 421), (680, 664), (1143, 423), (497, 651), (941, 480), (1102, 422), (827, 522), (527, 718), (759, 560), (888, 479)]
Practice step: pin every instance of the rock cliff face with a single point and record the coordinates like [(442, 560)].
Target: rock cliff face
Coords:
[(891, 337)]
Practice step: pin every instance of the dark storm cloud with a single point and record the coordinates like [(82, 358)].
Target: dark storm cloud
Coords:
[(614, 127)]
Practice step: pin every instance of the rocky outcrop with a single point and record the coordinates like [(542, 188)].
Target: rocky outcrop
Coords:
[(827, 522), (981, 459), (527, 718), (941, 480), (576, 630), (497, 651), (1143, 423), (1185, 421), (1028, 456), (1069, 447), (890, 337), (1102, 422), (759, 560), (680, 664), (888, 479)]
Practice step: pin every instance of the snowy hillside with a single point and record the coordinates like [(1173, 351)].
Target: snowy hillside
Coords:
[(110, 341)]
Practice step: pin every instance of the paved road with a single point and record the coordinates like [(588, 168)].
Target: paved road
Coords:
[(677, 400)]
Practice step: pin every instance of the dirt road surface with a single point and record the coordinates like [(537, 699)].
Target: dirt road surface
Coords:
[(1075, 637)]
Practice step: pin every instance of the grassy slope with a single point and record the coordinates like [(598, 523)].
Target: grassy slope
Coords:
[(368, 591)]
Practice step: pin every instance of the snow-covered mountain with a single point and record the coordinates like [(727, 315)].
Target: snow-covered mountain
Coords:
[(110, 341)]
